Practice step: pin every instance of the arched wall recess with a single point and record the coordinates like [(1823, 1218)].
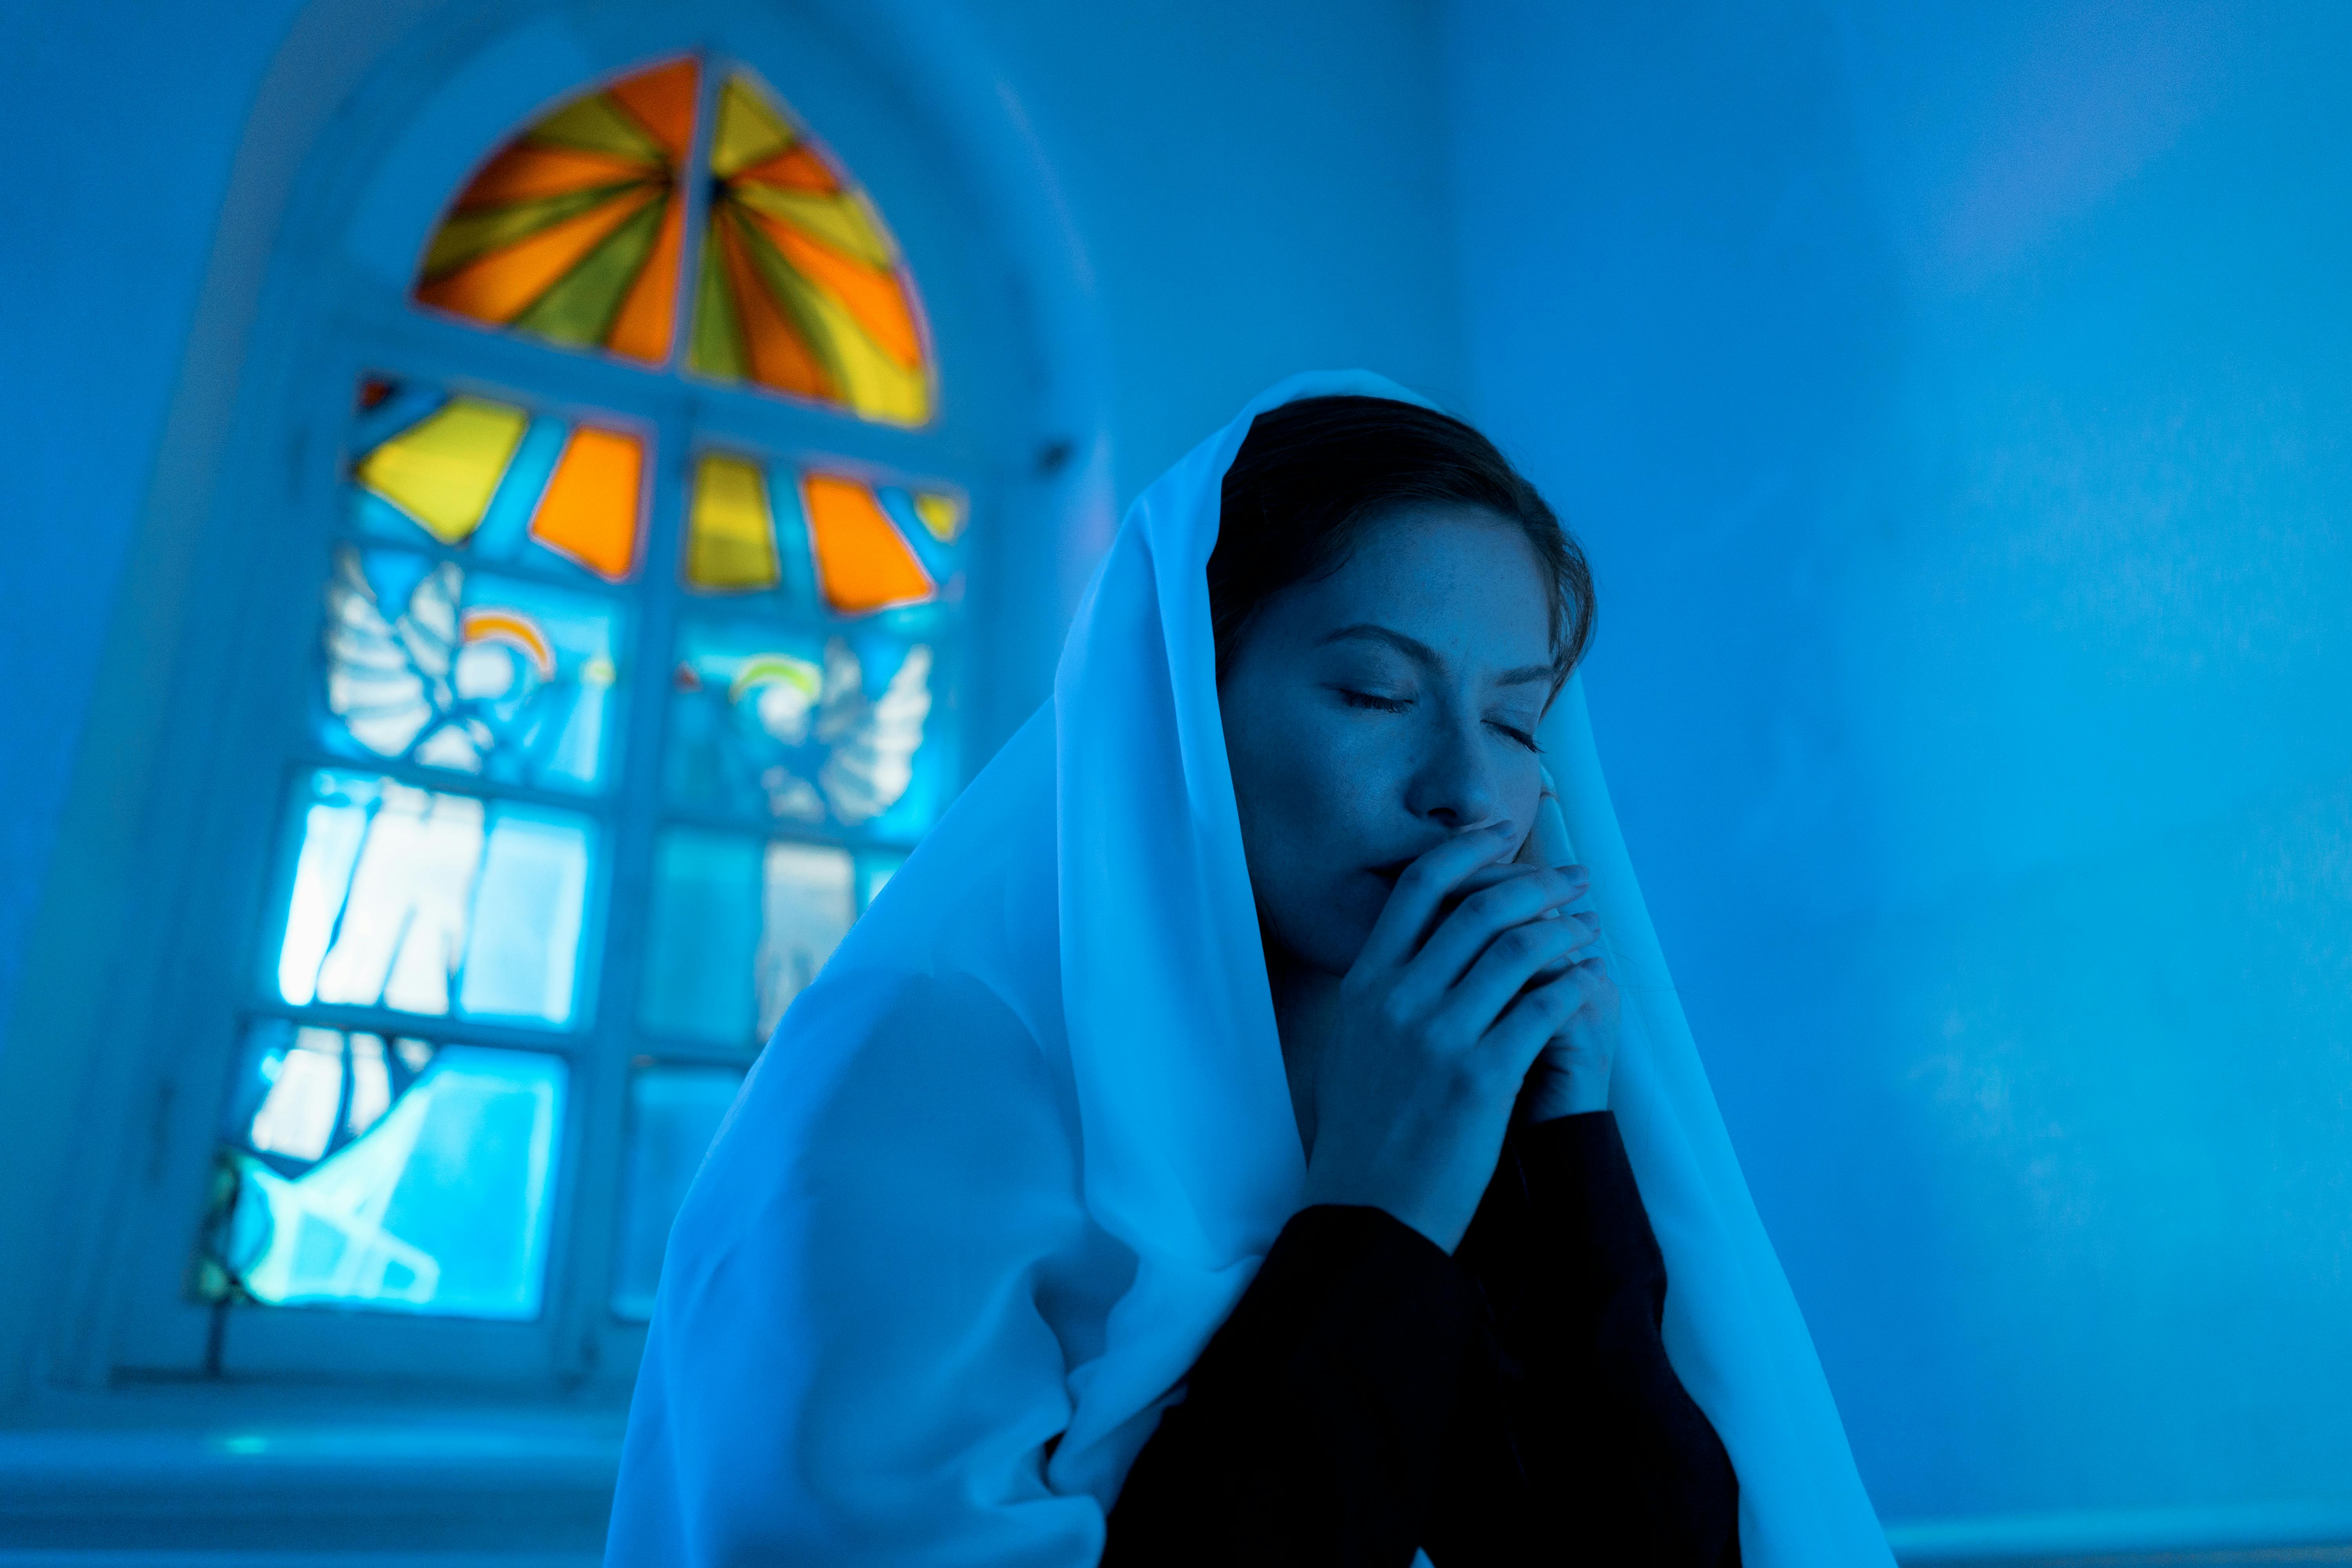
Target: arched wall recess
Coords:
[(393, 109)]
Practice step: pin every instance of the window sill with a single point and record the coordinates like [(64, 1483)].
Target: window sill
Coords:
[(2122, 1538), (224, 1475)]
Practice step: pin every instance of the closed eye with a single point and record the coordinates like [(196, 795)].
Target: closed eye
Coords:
[(1378, 704), (1523, 737)]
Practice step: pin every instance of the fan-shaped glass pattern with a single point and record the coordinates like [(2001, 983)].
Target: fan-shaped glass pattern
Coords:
[(575, 232), (801, 289), (572, 231)]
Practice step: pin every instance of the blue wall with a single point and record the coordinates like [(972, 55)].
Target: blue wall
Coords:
[(1956, 401), (101, 288)]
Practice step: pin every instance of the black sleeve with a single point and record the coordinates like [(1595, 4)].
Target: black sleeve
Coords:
[(1618, 1464), (1313, 1426)]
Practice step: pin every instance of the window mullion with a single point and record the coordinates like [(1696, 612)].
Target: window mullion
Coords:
[(636, 805)]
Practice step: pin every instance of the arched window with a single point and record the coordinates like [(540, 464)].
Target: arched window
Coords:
[(633, 671)]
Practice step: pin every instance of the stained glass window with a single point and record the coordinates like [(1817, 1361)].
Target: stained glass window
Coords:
[(575, 232), (358, 1171), (601, 701)]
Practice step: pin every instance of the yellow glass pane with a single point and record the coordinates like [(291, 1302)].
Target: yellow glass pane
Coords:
[(839, 221), (878, 387), (861, 562), (443, 469), (598, 123), (748, 133), (942, 515), (589, 511), (731, 535)]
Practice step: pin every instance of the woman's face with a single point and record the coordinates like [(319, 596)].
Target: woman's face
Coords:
[(1376, 711)]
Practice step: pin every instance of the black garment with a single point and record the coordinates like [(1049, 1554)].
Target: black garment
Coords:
[(1511, 1404)]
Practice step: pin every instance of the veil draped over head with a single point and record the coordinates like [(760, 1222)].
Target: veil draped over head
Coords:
[(1010, 1161)]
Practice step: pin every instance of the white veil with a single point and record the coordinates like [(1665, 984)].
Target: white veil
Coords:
[(1006, 1166)]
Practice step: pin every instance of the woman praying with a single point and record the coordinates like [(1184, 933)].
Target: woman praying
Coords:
[(1256, 1124)]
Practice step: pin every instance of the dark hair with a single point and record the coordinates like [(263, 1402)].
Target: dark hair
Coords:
[(1312, 474)]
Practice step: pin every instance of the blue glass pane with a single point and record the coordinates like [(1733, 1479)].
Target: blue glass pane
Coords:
[(739, 928), (843, 728), (943, 559), (434, 904), (505, 530), (428, 663), (353, 1171), (673, 1113), (702, 936), (873, 869)]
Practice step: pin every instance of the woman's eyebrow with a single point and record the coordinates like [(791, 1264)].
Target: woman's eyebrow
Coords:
[(1421, 653), (1413, 648)]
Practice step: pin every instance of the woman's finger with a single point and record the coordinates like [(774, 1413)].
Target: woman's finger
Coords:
[(1397, 933), (1462, 935), (1588, 948), (1520, 1034), (1547, 842), (1511, 961), (1482, 877)]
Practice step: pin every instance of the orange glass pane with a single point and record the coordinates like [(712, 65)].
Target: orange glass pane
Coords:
[(642, 328), (502, 285), (524, 173), (796, 170), (781, 358), (861, 562), (589, 511), (870, 295), (663, 98)]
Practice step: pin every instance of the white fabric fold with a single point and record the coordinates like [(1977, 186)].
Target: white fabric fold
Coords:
[(1005, 1167)]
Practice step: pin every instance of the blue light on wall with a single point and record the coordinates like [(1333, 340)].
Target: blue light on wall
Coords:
[(1956, 401)]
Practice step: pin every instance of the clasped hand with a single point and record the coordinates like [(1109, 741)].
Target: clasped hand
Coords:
[(1443, 1021)]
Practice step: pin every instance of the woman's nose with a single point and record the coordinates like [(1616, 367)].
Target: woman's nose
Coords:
[(1455, 785)]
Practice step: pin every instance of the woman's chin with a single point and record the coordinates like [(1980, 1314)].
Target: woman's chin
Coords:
[(1333, 949)]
